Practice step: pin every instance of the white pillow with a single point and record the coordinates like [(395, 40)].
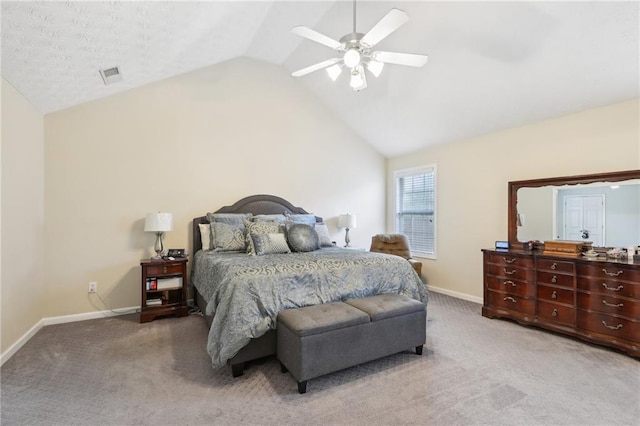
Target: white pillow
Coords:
[(323, 235), (205, 236)]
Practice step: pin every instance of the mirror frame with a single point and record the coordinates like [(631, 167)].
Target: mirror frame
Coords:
[(514, 186)]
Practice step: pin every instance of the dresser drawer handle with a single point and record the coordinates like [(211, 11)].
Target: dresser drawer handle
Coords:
[(620, 287), (554, 279), (554, 265), (510, 298), (554, 313), (612, 327), (509, 282), (619, 305), (164, 270), (509, 272), (554, 295), (509, 260), (612, 274)]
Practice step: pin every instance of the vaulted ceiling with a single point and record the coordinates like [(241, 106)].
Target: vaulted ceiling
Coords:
[(492, 65)]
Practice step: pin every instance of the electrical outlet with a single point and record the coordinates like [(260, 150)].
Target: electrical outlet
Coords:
[(93, 287)]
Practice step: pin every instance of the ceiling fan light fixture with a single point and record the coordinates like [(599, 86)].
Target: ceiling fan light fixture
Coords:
[(355, 50), (358, 80), (334, 71), (375, 67), (352, 58)]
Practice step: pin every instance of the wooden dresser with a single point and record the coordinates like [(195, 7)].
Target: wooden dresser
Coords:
[(597, 300)]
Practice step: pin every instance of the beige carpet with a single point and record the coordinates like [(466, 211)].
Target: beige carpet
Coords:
[(474, 371)]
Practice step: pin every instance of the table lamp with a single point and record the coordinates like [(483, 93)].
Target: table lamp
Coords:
[(347, 221), (158, 223)]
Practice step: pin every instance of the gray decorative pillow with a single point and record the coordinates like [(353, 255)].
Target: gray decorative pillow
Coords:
[(253, 228), (227, 237), (302, 237), (309, 219), (269, 218), (236, 219), (323, 235), (270, 244)]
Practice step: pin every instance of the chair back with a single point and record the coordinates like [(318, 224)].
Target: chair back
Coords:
[(397, 244)]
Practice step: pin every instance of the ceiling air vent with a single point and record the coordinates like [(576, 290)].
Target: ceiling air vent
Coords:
[(110, 75)]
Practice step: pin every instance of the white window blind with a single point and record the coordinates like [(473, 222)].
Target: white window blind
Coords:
[(416, 208)]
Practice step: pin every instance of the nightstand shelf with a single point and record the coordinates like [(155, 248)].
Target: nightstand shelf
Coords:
[(164, 288)]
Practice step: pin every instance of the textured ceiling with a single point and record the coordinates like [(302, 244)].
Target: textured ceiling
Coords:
[(491, 65)]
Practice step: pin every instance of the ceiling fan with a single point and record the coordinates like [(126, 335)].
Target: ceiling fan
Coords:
[(355, 50)]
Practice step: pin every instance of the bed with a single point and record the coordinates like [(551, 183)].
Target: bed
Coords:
[(241, 294)]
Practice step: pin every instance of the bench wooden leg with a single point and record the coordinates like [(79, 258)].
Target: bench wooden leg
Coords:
[(419, 350), (283, 369), (237, 370), (302, 386)]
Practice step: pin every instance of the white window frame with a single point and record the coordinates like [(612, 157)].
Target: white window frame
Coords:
[(431, 168)]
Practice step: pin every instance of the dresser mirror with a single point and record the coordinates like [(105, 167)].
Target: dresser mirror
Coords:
[(602, 208)]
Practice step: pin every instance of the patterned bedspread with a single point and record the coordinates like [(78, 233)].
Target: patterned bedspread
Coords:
[(244, 293)]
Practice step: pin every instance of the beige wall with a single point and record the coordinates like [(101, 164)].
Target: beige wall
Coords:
[(189, 145), (473, 174), (23, 285)]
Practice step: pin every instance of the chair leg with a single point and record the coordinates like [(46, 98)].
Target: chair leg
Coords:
[(302, 386)]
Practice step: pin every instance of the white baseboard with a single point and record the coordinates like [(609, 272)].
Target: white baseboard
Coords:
[(89, 315), (6, 355), (455, 294)]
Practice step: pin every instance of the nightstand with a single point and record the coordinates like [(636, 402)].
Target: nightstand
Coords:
[(164, 288)]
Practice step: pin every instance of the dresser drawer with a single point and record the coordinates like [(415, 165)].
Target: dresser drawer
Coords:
[(160, 270), (555, 294), (610, 287), (506, 259), (609, 325), (511, 302), (507, 285), (556, 266), (610, 271), (556, 313), (555, 278), (511, 272), (609, 304)]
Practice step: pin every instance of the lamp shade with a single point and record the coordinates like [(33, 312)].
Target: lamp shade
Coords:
[(347, 221), (158, 222)]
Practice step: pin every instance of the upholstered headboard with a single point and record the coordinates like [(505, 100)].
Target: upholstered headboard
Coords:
[(255, 204)]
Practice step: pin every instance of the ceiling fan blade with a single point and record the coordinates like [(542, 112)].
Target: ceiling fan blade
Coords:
[(316, 67), (316, 36), (409, 59), (391, 22)]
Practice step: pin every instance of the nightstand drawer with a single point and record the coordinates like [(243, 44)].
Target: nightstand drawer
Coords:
[(159, 270)]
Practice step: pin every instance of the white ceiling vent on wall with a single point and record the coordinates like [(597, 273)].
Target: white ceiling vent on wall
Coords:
[(110, 75)]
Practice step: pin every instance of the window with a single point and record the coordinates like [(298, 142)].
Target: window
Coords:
[(416, 208)]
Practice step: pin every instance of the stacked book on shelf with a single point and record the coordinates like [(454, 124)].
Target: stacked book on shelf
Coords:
[(567, 248), (163, 283), (154, 302)]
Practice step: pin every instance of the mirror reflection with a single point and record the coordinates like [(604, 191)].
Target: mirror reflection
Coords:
[(607, 214)]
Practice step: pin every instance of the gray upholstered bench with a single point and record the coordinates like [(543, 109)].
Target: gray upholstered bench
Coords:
[(321, 339)]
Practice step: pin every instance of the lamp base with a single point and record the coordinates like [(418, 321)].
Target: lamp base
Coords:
[(158, 247), (347, 240)]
